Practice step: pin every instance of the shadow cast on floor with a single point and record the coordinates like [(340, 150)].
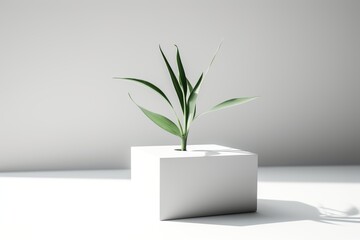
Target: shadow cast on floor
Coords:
[(277, 211), (86, 174)]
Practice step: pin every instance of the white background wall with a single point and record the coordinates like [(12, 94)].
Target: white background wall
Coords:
[(61, 109)]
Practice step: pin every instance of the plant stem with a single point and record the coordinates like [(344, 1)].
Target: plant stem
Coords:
[(183, 142)]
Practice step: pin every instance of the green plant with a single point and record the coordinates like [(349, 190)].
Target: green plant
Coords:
[(187, 95)]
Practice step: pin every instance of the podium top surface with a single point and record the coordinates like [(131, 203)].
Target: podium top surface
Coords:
[(209, 150)]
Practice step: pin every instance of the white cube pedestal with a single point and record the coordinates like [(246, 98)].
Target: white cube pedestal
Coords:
[(205, 180)]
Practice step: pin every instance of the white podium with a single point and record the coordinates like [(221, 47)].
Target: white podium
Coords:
[(205, 180)]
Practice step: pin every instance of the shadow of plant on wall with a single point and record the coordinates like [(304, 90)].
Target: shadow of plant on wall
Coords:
[(276, 211)]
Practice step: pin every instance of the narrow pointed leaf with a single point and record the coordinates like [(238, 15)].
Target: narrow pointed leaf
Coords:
[(192, 100), (182, 76), (160, 120), (174, 81), (190, 87), (194, 93), (148, 84), (230, 103), (194, 114), (212, 60)]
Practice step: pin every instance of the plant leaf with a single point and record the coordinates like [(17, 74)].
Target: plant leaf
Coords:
[(192, 100), (194, 93), (182, 76), (212, 60), (174, 81), (230, 103), (148, 84), (190, 87), (160, 120), (194, 114)]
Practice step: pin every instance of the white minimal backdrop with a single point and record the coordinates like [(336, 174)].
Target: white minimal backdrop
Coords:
[(60, 108)]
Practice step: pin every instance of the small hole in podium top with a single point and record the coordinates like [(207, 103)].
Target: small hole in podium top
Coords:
[(178, 149)]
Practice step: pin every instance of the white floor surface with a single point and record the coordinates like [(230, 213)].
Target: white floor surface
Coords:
[(294, 203)]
